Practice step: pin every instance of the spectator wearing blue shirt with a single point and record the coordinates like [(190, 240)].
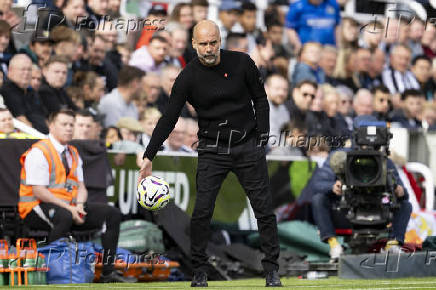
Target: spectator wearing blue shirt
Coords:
[(312, 21)]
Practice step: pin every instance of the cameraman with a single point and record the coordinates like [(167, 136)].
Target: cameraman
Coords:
[(327, 191)]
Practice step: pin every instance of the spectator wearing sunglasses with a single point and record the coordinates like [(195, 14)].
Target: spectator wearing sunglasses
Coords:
[(302, 97)]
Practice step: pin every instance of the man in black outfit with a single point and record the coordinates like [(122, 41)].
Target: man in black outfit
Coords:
[(52, 92), (19, 98), (224, 87)]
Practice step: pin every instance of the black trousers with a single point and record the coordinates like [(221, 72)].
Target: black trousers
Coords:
[(59, 222), (248, 162)]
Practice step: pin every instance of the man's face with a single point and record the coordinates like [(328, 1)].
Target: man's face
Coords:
[(344, 104), (276, 34), (36, 79), (186, 17), (42, 50), (62, 128), (179, 41), (21, 72), (56, 74), (67, 49), (136, 88), (382, 102), (158, 50), (98, 52), (422, 70), (413, 106), (4, 42), (330, 104), (99, 6), (311, 54), (228, 18), (207, 43), (248, 20), (74, 9), (109, 35), (363, 60), (328, 62), (417, 29), (303, 97), (199, 13), (363, 105), (400, 59), (377, 62), (177, 137), (6, 122), (83, 128), (151, 86), (149, 124), (98, 91), (277, 90)]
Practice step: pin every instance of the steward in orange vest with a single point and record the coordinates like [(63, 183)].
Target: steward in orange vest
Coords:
[(60, 185)]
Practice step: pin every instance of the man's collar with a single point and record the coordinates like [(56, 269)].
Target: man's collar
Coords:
[(58, 146)]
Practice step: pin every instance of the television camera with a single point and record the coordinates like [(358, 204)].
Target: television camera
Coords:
[(368, 199)]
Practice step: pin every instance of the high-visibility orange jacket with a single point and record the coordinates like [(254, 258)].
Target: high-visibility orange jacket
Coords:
[(60, 185)]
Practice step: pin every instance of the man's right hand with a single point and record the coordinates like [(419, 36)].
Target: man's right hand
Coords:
[(145, 170), (76, 212), (337, 188)]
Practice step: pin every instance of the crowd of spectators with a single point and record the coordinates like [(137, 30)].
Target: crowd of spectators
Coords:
[(321, 68)]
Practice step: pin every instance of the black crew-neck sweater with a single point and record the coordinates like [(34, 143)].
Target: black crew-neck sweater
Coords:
[(229, 99)]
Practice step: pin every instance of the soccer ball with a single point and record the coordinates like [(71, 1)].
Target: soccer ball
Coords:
[(153, 193)]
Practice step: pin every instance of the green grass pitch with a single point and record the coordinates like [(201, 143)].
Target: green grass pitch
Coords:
[(289, 283)]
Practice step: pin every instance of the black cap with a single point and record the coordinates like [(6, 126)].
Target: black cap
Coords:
[(41, 36), (157, 9)]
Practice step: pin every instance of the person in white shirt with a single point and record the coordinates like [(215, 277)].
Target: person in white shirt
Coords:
[(53, 195), (277, 90)]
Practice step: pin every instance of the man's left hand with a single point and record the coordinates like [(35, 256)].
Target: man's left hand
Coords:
[(399, 191)]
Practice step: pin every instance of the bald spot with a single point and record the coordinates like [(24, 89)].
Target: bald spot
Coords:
[(18, 59), (205, 27)]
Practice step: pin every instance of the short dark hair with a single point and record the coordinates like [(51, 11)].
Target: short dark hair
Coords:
[(158, 38), (233, 38), (306, 82), (129, 73), (420, 57), (57, 58), (84, 113), (248, 6), (380, 88), (203, 3), (4, 110), (273, 23), (54, 115), (411, 93)]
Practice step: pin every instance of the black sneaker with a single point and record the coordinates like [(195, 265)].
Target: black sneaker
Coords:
[(273, 279), (116, 277), (199, 279)]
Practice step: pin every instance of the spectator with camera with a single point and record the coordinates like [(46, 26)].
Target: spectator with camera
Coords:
[(328, 191)]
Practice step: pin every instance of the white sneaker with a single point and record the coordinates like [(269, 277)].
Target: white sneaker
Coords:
[(392, 248), (335, 252)]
